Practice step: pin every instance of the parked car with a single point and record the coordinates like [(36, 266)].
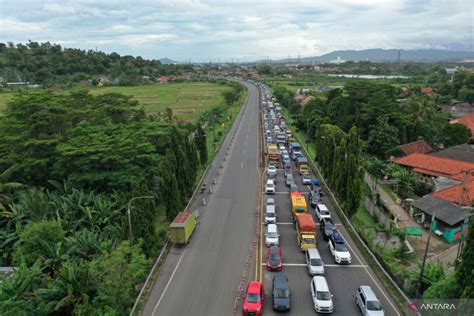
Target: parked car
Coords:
[(253, 299), (281, 293), (274, 259), (272, 170), (270, 187), (272, 237), (270, 211), (289, 180), (338, 248), (322, 297), (306, 179), (368, 303), (327, 227), (314, 262), (322, 211)]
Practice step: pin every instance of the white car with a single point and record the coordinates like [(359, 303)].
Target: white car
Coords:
[(314, 262), (270, 211), (322, 298), (270, 187), (322, 211), (272, 170), (338, 248), (272, 237)]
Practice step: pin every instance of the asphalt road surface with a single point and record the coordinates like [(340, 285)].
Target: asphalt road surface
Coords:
[(203, 277)]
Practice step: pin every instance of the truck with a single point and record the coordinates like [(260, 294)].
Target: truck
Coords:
[(306, 232), (273, 153), (302, 165), (298, 205), (182, 227)]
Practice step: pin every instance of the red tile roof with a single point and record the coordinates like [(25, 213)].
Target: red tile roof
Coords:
[(467, 120), (434, 165), (419, 146), (456, 194), (426, 90), (182, 217)]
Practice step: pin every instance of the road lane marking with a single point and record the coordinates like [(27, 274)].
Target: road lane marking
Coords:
[(285, 223), (168, 284), (241, 165), (326, 265)]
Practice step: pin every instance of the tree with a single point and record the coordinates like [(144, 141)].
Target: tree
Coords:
[(465, 268), (34, 240), (201, 144), (455, 134), (264, 70), (382, 138)]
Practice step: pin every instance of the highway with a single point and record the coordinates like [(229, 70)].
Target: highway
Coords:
[(203, 277)]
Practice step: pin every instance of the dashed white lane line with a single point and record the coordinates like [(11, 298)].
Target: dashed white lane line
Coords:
[(326, 265), (242, 165)]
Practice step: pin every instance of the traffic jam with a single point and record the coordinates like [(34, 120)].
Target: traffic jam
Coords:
[(300, 237)]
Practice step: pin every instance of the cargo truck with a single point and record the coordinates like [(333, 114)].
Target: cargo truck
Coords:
[(302, 165), (306, 231), (182, 227), (273, 153), (298, 205)]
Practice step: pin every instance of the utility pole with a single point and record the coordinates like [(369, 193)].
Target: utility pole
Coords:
[(130, 217), (425, 255)]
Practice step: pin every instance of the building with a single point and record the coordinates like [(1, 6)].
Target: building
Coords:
[(163, 79), (464, 152), (461, 194), (432, 166), (427, 90), (450, 221), (458, 110), (420, 146), (467, 120)]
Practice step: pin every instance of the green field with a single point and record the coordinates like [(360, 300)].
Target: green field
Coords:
[(188, 100)]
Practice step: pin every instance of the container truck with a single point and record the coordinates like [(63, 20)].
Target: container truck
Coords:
[(302, 165), (273, 153), (182, 227), (298, 205), (306, 231)]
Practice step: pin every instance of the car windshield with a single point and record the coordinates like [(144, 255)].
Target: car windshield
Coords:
[(270, 202), (253, 298), (316, 262), (374, 306), (329, 226), (282, 293), (341, 247), (323, 296), (270, 214), (324, 212), (308, 240)]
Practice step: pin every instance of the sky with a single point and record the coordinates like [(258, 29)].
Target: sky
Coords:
[(239, 30)]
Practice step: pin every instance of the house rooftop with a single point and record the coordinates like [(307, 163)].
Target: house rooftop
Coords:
[(434, 166), (426, 90), (467, 120), (458, 194), (419, 146), (443, 210), (464, 152)]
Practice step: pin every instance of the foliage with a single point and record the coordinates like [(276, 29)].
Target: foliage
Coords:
[(456, 134), (382, 138)]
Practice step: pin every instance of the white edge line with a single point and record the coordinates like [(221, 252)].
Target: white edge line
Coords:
[(168, 284)]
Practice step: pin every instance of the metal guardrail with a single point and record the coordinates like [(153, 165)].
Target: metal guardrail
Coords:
[(315, 168)]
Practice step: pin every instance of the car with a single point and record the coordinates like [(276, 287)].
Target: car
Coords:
[(272, 170), (322, 297), (328, 227), (285, 152), (286, 158), (274, 259), (306, 179), (322, 211), (276, 128), (270, 187), (281, 148), (338, 248), (269, 140), (270, 211), (293, 187), (314, 262), (315, 198), (265, 125), (368, 303), (289, 180), (281, 293), (272, 176), (296, 154), (272, 237), (252, 303)]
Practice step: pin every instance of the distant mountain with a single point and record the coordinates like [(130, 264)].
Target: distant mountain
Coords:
[(167, 61), (378, 54)]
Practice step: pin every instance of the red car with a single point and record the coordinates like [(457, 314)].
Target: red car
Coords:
[(253, 300), (274, 259)]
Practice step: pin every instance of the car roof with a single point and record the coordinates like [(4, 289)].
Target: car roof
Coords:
[(270, 200), (313, 253), (270, 181), (275, 249), (321, 283), (323, 207), (272, 227), (337, 237), (280, 280), (369, 293)]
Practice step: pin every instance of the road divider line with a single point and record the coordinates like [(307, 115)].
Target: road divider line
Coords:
[(326, 265), (168, 284)]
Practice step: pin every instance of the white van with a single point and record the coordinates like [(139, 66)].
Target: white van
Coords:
[(314, 262), (322, 298), (272, 237), (322, 211)]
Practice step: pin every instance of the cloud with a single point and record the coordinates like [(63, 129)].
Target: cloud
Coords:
[(146, 39)]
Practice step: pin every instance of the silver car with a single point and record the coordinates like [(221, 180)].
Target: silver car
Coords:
[(368, 303)]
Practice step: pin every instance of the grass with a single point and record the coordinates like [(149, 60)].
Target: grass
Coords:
[(388, 190), (4, 99), (192, 98)]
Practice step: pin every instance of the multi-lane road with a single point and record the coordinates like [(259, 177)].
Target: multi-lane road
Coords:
[(204, 277)]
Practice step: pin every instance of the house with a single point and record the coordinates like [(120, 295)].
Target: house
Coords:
[(427, 90), (19, 84), (306, 100), (163, 79), (450, 220), (420, 146), (432, 166), (299, 98), (464, 152), (461, 194), (458, 110), (467, 120), (404, 90)]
